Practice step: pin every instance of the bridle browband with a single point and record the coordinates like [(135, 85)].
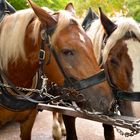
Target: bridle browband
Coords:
[(120, 94), (78, 85)]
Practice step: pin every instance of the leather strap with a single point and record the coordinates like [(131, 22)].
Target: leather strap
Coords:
[(128, 96), (91, 81)]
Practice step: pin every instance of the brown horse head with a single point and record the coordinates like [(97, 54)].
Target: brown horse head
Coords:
[(73, 48), (121, 57), (75, 53)]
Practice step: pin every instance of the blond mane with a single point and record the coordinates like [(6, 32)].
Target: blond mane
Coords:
[(96, 34), (12, 32)]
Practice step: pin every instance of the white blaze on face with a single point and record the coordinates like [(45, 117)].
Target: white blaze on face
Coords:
[(82, 37), (134, 54)]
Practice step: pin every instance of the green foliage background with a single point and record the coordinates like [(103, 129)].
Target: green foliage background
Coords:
[(134, 8), (126, 7)]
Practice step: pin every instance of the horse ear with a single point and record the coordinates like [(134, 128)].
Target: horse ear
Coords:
[(92, 14), (89, 18), (108, 25), (46, 18), (69, 7)]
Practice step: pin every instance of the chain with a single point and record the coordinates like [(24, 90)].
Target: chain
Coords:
[(126, 134), (42, 92), (21, 88), (134, 126), (45, 91), (130, 123)]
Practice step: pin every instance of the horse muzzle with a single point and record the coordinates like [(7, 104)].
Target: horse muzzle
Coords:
[(94, 100)]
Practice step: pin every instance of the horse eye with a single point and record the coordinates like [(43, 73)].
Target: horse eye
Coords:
[(114, 61), (68, 52)]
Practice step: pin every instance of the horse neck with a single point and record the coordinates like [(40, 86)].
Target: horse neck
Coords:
[(22, 71)]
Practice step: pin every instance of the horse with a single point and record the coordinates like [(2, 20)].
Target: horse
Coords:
[(89, 18), (58, 128), (60, 120), (116, 43), (53, 45)]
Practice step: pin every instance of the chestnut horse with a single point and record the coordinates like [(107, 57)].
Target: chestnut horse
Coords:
[(68, 52), (58, 128), (116, 44)]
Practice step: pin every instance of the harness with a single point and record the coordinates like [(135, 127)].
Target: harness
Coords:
[(69, 81)]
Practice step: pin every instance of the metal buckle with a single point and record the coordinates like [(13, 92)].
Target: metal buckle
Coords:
[(105, 40), (42, 54)]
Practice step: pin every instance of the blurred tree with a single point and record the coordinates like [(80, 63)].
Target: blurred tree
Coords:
[(53, 4), (133, 8), (109, 6), (124, 7), (18, 4)]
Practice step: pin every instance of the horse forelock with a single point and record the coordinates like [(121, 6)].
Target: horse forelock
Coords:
[(64, 20), (12, 34), (123, 26)]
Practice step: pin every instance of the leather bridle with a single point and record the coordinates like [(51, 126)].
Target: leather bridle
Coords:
[(69, 81)]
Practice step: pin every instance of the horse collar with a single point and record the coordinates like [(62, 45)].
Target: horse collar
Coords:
[(8, 100)]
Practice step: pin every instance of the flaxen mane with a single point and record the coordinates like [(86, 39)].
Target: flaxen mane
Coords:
[(65, 18), (96, 34), (12, 34)]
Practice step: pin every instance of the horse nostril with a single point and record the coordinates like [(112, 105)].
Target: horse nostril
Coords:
[(81, 98), (103, 103)]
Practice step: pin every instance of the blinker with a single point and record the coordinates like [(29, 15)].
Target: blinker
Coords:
[(42, 54)]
